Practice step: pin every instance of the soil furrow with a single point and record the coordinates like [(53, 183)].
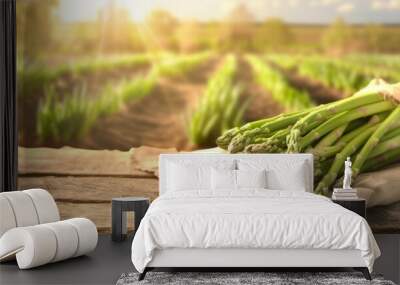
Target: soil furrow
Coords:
[(156, 120), (65, 86), (262, 103), (319, 93)]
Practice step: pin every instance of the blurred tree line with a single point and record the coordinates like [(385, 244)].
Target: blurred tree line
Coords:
[(341, 37), (40, 34), (35, 24)]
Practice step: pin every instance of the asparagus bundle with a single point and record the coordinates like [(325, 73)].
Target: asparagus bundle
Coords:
[(364, 126)]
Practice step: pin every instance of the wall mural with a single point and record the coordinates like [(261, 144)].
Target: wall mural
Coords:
[(104, 86)]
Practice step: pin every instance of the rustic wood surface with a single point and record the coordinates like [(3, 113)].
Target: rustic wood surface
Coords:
[(145, 158), (92, 189), (90, 197), (99, 213), (77, 162), (83, 182)]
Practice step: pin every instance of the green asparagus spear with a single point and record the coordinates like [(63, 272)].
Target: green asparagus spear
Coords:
[(348, 150), (386, 125), (326, 112), (332, 137), (391, 134), (385, 146), (343, 118), (275, 143), (240, 141), (382, 160), (326, 152)]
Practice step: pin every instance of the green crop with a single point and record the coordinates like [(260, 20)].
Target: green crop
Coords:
[(275, 82), (334, 73), (64, 120), (34, 78), (364, 126), (219, 108)]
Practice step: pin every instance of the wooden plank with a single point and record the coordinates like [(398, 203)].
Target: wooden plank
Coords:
[(74, 161), (145, 158), (75, 193), (90, 197), (91, 189), (100, 214)]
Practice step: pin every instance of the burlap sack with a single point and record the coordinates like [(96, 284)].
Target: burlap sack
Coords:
[(379, 187)]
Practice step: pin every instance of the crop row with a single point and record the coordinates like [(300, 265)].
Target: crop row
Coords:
[(277, 84), (72, 117), (219, 108), (389, 72), (385, 61), (38, 77), (180, 65), (347, 74), (334, 73)]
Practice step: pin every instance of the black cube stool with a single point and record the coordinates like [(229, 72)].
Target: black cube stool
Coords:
[(120, 206)]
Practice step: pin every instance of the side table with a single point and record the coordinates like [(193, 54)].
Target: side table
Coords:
[(120, 206), (358, 206)]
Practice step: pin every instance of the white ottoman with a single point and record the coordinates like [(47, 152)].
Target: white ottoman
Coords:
[(31, 232)]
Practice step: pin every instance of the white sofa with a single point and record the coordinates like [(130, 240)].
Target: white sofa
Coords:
[(31, 230)]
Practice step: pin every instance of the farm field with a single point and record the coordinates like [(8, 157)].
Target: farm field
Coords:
[(128, 109), (180, 100), (102, 92)]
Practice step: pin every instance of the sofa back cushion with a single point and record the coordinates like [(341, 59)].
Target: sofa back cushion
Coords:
[(26, 208)]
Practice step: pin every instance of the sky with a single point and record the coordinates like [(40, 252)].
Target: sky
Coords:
[(292, 11)]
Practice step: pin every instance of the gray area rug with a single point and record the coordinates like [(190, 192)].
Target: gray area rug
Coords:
[(273, 278)]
